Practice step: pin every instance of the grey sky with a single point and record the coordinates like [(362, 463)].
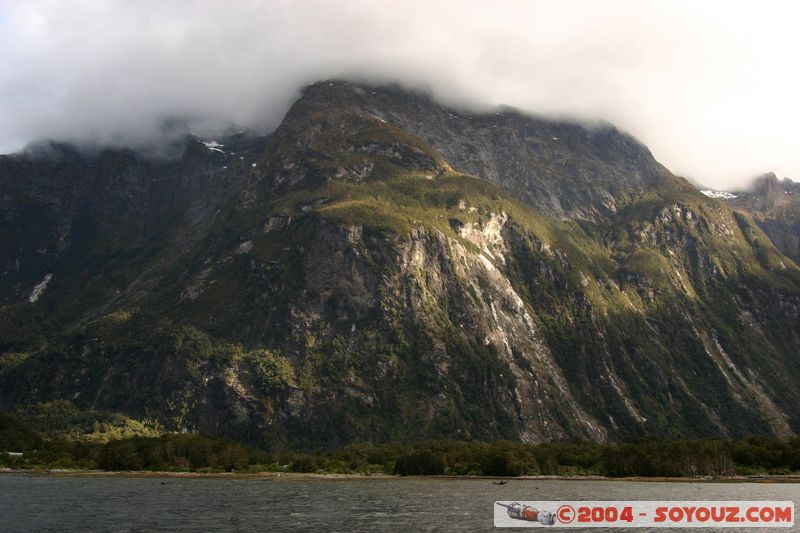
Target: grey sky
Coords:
[(709, 86)]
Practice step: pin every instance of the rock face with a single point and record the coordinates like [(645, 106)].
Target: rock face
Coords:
[(775, 206), (384, 268), (568, 171)]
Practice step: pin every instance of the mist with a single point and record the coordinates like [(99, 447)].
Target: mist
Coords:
[(708, 86)]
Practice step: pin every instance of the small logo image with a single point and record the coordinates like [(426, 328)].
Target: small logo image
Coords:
[(565, 514), (527, 513)]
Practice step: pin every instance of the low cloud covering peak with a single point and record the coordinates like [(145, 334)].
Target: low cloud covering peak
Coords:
[(708, 86)]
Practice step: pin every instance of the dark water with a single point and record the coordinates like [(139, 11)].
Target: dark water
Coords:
[(49, 503)]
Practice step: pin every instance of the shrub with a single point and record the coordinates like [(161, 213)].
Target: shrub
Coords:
[(419, 463)]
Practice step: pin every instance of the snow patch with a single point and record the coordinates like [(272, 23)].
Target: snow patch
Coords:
[(724, 195), (38, 290), (214, 146)]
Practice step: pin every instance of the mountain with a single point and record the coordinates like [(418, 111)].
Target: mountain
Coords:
[(383, 268), (775, 206)]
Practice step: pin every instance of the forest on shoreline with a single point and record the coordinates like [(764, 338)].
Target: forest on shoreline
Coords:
[(181, 452)]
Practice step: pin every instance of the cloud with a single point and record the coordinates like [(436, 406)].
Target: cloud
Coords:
[(709, 86)]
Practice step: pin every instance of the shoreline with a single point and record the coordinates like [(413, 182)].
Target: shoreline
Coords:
[(379, 477)]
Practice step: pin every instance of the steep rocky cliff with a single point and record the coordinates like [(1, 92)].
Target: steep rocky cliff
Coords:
[(775, 206), (384, 268)]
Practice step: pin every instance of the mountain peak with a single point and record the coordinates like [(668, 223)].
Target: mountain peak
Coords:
[(383, 267), (567, 169)]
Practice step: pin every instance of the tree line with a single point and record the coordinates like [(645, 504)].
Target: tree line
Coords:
[(190, 452)]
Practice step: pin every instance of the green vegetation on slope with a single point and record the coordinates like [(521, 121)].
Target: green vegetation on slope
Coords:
[(341, 282)]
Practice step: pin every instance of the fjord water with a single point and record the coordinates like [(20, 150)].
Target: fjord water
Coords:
[(79, 503)]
